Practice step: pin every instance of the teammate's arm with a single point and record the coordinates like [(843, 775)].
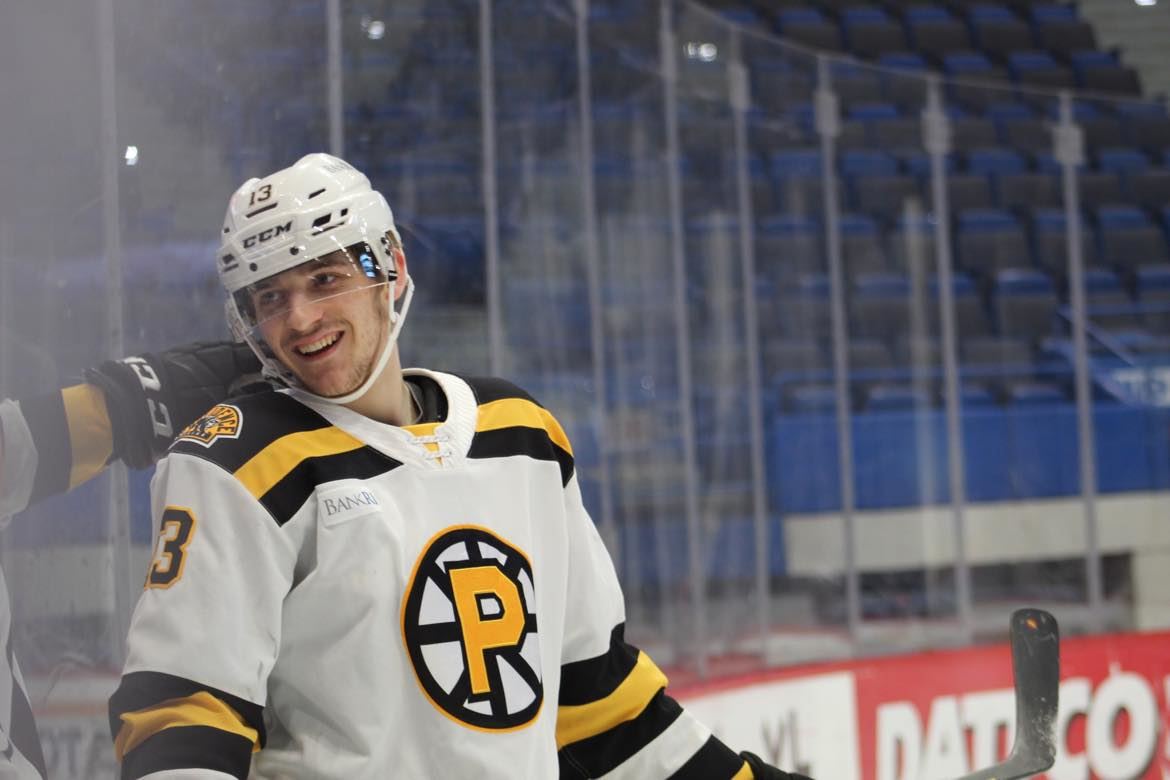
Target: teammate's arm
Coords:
[(128, 409)]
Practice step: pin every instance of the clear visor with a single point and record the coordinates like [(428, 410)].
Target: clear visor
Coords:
[(347, 270)]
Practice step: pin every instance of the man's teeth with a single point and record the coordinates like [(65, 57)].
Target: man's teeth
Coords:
[(317, 346)]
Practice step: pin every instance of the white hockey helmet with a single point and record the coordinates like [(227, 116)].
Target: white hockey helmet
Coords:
[(318, 206)]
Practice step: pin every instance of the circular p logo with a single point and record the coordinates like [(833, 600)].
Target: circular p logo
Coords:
[(469, 623)]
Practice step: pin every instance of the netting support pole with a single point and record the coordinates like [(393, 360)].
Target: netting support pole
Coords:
[(740, 98), (334, 83), (491, 207), (593, 275), (1069, 149), (828, 126), (115, 341), (936, 132), (695, 534)]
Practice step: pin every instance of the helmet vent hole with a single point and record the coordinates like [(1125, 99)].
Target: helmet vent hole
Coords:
[(316, 193), (294, 250), (252, 267)]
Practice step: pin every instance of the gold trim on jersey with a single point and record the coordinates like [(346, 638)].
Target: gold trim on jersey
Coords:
[(273, 463), (513, 412), (198, 709), (90, 433), (581, 721), (744, 773)]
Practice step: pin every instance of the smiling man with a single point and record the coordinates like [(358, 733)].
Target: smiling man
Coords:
[(372, 572)]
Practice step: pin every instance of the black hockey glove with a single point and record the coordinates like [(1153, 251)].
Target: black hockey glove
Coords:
[(152, 397), (762, 771)]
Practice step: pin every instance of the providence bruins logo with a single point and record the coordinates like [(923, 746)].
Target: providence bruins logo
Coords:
[(224, 421), (469, 622)]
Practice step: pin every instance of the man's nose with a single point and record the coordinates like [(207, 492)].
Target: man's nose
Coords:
[(303, 312)]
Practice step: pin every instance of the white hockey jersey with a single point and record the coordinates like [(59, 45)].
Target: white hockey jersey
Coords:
[(332, 597), (50, 443)]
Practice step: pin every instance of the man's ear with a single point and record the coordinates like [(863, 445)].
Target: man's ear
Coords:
[(399, 259)]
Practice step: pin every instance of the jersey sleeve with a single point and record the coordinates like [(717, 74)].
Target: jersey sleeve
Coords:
[(51, 443), (614, 717), (205, 633)]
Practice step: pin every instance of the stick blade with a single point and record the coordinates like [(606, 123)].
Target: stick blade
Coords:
[(1035, 640)]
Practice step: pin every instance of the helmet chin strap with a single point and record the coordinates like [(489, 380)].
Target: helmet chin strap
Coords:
[(394, 328)]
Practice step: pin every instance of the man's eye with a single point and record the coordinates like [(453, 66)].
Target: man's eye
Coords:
[(326, 278), (268, 298)]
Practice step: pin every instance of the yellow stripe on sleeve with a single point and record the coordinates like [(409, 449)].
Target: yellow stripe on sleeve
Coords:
[(581, 721), (744, 773), (512, 412), (90, 434), (274, 462), (200, 709)]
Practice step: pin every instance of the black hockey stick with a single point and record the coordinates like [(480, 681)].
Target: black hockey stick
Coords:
[(1036, 668)]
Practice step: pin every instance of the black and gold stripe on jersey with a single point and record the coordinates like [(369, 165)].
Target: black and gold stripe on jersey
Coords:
[(73, 436), (613, 705), (162, 722), (284, 450), (510, 422)]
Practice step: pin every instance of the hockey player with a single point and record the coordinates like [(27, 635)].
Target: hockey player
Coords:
[(373, 572), (128, 409)]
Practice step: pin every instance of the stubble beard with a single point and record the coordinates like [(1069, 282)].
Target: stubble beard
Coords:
[(365, 359)]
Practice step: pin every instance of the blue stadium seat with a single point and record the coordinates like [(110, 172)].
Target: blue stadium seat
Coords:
[(972, 395), (1150, 132), (1150, 189), (787, 243), (873, 112), (1105, 293), (1129, 238), (935, 32), (1009, 353), (995, 161), (970, 313), (990, 239), (880, 305), (1152, 286), (1123, 160), (867, 162), (998, 31), (862, 247), (884, 197), (1038, 69), (803, 399), (889, 397), (793, 357), (1024, 301), (804, 308), (870, 32), (1023, 192), (1035, 393), (1050, 244), (871, 355), (1045, 12)]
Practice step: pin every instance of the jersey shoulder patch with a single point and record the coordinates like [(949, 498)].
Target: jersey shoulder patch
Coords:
[(222, 421), (279, 449), (233, 431)]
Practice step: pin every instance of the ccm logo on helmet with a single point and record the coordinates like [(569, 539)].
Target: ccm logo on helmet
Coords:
[(267, 235), (469, 624)]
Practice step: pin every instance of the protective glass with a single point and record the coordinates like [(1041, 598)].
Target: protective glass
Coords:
[(357, 267)]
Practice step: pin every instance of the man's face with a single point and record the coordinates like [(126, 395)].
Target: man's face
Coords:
[(325, 320)]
